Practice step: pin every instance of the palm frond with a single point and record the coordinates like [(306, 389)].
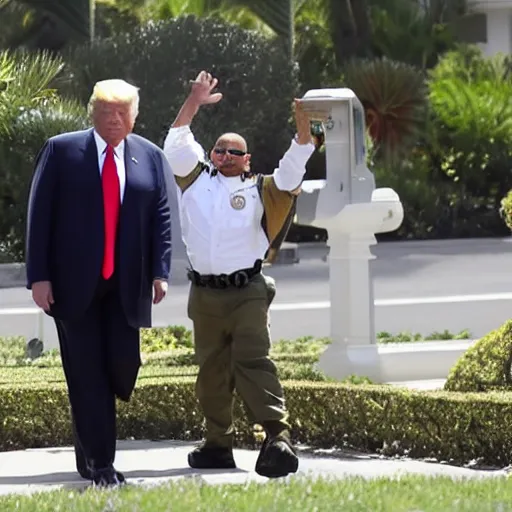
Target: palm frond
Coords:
[(77, 15), (393, 95), (26, 82)]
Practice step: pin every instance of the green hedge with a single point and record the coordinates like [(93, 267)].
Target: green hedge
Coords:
[(448, 426), (289, 366)]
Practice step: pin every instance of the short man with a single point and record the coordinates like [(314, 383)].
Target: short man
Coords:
[(230, 221), (98, 256)]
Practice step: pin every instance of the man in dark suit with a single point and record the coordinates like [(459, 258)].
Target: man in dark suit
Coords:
[(97, 257)]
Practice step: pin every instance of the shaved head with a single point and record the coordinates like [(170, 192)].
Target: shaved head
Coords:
[(232, 138), (230, 156)]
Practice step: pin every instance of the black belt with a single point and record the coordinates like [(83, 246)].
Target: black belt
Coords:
[(237, 279)]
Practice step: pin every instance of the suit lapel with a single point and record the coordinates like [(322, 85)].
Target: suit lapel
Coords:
[(91, 163), (130, 164), (91, 154)]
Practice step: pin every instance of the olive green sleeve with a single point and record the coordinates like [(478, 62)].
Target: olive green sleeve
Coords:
[(184, 182), (279, 211)]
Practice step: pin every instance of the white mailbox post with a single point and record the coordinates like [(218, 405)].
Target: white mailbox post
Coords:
[(349, 206)]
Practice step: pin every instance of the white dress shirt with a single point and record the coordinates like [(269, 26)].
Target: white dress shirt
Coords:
[(220, 239), (101, 145)]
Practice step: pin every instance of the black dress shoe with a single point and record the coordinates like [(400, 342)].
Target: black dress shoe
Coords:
[(87, 473), (277, 458), (107, 477), (211, 457)]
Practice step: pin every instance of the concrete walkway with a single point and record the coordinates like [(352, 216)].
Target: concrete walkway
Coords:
[(150, 462)]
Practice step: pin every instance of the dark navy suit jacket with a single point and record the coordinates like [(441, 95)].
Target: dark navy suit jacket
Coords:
[(65, 225)]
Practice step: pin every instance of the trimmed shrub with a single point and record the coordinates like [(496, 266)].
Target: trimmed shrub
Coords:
[(506, 209), (255, 76), (486, 365), (448, 426), (289, 367), (158, 339)]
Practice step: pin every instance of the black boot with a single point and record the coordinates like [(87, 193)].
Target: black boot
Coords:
[(211, 457), (277, 457)]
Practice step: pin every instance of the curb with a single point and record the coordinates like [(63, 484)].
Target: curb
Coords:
[(12, 275)]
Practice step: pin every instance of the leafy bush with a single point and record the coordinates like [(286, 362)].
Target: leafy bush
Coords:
[(409, 337), (448, 426), (472, 105), (453, 181), (30, 112), (255, 76), (304, 345), (13, 351), (472, 145), (158, 339), (486, 365), (506, 209), (426, 200), (174, 346)]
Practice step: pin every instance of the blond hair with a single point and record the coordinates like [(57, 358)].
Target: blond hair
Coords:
[(114, 90)]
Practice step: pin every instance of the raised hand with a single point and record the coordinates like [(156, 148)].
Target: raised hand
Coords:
[(202, 88), (302, 123)]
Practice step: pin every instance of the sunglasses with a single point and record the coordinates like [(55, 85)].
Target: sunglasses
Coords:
[(235, 152)]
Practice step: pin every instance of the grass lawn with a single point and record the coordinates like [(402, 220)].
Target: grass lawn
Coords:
[(407, 494)]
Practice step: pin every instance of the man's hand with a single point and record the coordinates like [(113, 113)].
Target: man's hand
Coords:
[(42, 294), (302, 123), (160, 290), (200, 94), (202, 88)]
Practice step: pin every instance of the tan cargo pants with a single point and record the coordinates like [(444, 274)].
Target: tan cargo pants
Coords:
[(232, 342)]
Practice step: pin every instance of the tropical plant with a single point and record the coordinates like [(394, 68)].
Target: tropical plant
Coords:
[(48, 24), (228, 11), (471, 99), (415, 32), (314, 47), (454, 180), (393, 95), (30, 112)]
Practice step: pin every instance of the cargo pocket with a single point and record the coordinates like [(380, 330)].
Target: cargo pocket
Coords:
[(270, 286)]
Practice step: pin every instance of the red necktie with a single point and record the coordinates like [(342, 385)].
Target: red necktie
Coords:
[(111, 203)]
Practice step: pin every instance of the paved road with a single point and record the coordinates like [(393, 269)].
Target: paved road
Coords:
[(148, 463), (419, 286)]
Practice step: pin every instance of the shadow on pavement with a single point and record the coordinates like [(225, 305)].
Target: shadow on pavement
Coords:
[(73, 479)]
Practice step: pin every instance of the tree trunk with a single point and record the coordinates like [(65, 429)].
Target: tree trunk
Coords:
[(350, 29)]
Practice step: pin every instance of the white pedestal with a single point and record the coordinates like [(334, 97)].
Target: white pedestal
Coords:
[(353, 349)]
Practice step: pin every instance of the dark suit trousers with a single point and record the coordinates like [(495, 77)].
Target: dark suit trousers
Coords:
[(101, 358)]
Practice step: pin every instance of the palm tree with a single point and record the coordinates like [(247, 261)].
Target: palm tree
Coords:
[(268, 17), (394, 97), (45, 24), (415, 32), (30, 112)]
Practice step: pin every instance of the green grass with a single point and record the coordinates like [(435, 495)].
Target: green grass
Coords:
[(407, 494)]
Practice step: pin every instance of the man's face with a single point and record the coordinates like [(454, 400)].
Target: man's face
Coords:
[(113, 120), (229, 155)]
